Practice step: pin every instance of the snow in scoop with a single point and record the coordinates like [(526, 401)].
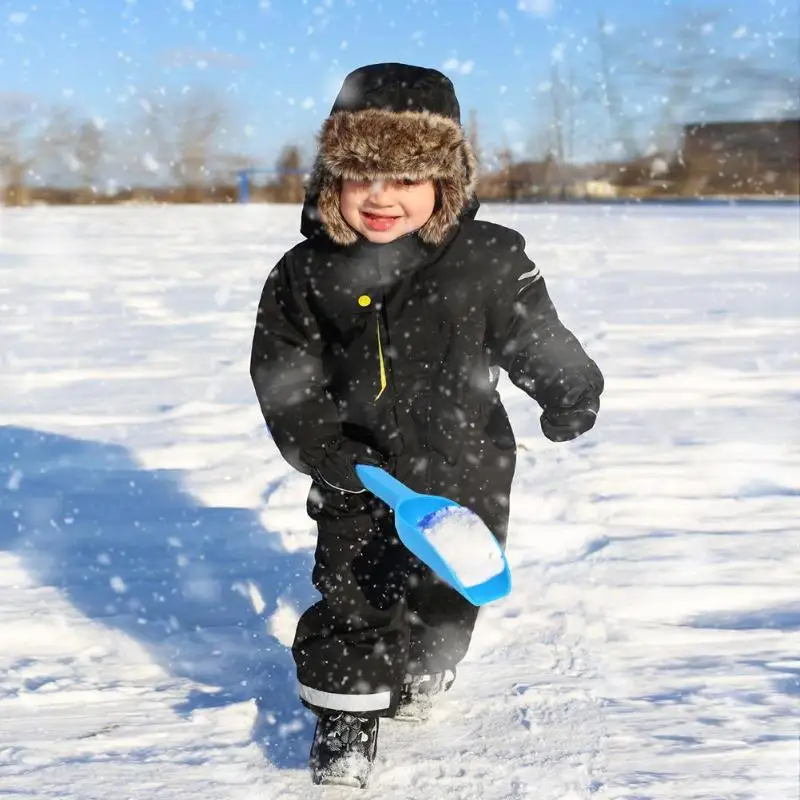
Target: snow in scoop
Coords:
[(465, 543)]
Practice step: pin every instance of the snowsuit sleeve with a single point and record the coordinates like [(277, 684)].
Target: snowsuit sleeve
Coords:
[(287, 371), (542, 357)]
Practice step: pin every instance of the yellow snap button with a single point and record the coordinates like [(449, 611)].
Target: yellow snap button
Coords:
[(364, 300)]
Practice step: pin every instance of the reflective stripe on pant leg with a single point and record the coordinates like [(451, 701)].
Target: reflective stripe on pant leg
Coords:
[(346, 702), (351, 647)]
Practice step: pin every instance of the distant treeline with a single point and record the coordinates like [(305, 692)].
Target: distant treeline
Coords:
[(524, 181)]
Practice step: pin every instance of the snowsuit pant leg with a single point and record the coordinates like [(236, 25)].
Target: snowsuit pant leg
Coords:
[(442, 621), (382, 612), (351, 647)]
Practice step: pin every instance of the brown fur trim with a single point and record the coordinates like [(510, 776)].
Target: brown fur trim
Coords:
[(372, 144), (330, 211)]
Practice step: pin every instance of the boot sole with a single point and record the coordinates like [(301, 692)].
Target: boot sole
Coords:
[(410, 718), (350, 783)]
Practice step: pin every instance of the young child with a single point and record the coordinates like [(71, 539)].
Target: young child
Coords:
[(374, 344)]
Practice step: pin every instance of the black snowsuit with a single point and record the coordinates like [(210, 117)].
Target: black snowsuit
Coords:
[(392, 345)]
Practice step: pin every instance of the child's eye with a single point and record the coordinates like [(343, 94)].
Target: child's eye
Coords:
[(410, 182)]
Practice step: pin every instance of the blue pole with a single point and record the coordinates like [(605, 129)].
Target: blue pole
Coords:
[(244, 186)]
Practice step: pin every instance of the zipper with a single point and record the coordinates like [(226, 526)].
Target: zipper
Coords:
[(381, 363)]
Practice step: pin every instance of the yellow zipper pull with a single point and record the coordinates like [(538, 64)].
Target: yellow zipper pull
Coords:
[(380, 361)]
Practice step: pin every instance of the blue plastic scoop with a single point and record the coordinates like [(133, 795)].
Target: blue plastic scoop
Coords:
[(414, 516)]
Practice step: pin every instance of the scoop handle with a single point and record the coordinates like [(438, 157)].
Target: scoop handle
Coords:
[(384, 485)]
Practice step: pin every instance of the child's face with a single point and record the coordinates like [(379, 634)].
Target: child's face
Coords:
[(382, 211)]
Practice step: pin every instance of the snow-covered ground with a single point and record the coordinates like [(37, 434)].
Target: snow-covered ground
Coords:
[(154, 549)]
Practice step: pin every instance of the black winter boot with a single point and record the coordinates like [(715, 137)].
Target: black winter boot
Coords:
[(419, 694), (343, 750)]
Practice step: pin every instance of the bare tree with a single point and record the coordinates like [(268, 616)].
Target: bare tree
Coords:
[(17, 149), (565, 97), (703, 80), (290, 175), (690, 79), (183, 137), (473, 133), (608, 89), (91, 150), (55, 147), (69, 152), (507, 164), (692, 67)]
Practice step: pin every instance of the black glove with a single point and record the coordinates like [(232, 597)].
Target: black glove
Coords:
[(565, 424), (336, 464)]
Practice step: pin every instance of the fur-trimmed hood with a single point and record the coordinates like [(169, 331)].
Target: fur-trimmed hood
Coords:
[(392, 121)]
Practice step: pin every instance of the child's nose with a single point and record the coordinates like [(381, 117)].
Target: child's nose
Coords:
[(377, 190)]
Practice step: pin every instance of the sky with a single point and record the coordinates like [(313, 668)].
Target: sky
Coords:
[(278, 63)]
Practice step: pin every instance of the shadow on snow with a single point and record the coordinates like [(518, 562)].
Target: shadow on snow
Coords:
[(780, 618), (131, 549)]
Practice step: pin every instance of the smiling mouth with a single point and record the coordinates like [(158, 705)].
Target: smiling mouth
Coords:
[(378, 222)]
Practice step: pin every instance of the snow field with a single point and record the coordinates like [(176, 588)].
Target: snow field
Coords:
[(155, 553)]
